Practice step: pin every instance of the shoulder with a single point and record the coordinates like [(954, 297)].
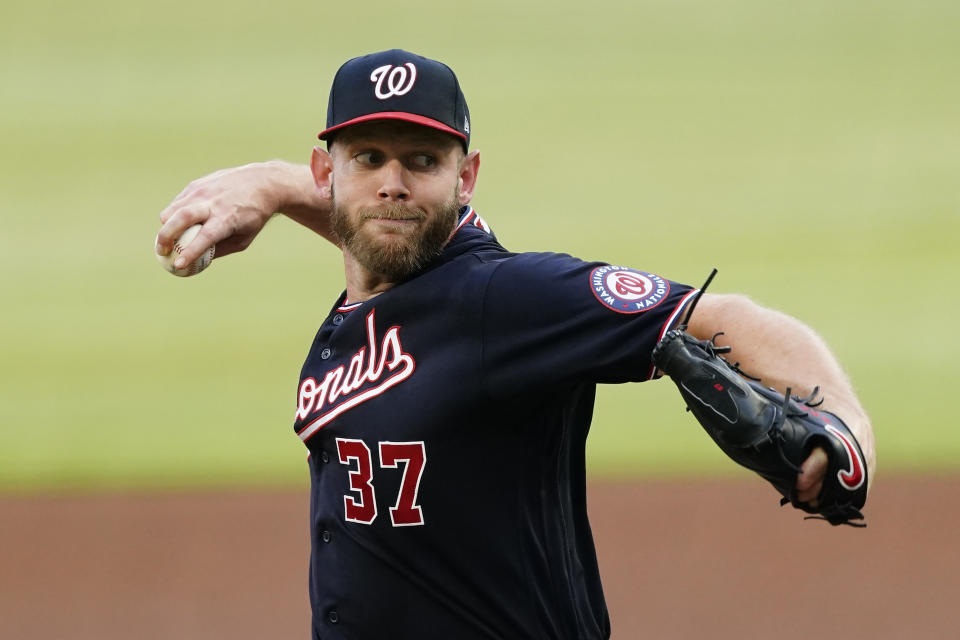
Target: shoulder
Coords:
[(531, 275), (535, 263), (541, 280), (547, 268)]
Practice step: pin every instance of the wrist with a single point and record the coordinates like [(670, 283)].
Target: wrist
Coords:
[(291, 188)]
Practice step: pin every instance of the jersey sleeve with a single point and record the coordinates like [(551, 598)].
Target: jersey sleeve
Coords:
[(551, 319)]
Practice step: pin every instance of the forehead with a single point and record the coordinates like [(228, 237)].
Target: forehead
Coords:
[(390, 132)]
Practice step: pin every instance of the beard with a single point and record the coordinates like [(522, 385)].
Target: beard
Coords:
[(402, 253)]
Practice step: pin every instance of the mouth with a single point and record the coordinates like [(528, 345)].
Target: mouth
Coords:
[(392, 221), (395, 219), (399, 214)]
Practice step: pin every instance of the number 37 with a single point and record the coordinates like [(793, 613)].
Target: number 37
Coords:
[(362, 506)]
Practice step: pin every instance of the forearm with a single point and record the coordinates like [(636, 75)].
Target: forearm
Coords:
[(297, 197), (783, 352)]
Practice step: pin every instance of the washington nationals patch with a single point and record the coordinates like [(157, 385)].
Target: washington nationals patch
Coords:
[(627, 290)]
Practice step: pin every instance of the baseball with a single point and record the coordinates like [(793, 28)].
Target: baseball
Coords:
[(182, 243)]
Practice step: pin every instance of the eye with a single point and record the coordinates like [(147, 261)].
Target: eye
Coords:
[(369, 158), (423, 161)]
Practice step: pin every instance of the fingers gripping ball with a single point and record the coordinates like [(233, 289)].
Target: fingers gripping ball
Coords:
[(179, 246), (765, 431)]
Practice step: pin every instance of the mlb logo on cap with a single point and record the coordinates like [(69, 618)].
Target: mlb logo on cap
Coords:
[(397, 85)]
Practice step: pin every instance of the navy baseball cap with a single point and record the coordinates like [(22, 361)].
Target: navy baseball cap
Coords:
[(397, 85)]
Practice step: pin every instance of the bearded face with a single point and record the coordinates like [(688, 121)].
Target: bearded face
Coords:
[(394, 240)]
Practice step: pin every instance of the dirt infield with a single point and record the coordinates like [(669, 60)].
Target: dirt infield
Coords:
[(680, 560)]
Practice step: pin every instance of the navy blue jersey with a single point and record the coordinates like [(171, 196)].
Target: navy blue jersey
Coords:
[(446, 420)]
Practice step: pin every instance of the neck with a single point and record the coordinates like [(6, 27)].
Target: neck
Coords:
[(361, 283)]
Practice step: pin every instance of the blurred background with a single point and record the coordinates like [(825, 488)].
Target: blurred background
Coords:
[(151, 485), (809, 151)]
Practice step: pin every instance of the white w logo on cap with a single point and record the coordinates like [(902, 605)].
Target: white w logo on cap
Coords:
[(399, 80)]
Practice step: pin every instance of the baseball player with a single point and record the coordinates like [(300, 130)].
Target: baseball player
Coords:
[(447, 396)]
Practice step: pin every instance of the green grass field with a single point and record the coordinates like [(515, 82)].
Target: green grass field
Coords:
[(807, 151)]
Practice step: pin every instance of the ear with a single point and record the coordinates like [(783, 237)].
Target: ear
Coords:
[(469, 168), (321, 166)]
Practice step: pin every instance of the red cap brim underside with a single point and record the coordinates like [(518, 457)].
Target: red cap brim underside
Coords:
[(394, 115)]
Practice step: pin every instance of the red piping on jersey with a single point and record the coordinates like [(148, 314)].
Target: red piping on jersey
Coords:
[(671, 320), (466, 217), (473, 218)]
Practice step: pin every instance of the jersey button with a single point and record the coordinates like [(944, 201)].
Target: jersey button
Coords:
[(338, 320), (325, 354), (325, 536), (324, 457), (333, 616)]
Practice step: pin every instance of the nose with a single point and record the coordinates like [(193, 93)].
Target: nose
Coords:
[(394, 185)]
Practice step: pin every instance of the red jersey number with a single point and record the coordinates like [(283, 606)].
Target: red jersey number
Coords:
[(360, 505), (406, 512)]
